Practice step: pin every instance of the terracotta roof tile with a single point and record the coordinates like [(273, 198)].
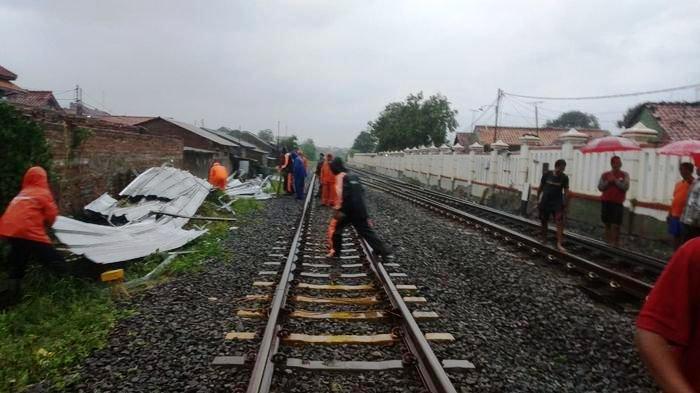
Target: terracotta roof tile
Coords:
[(6, 74), (679, 121), (7, 85), (126, 120), (511, 135), (34, 98)]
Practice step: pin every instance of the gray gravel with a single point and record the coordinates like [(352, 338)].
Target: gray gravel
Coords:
[(178, 327), (526, 327)]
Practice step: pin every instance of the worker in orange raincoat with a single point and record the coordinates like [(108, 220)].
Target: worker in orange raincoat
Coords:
[(23, 225), (218, 175), (285, 169), (328, 194)]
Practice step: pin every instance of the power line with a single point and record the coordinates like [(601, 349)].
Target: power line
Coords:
[(696, 85)]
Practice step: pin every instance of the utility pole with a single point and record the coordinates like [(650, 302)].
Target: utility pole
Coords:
[(537, 119), (278, 135), (78, 100), (498, 105)]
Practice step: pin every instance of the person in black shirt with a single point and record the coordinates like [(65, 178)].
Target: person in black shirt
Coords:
[(350, 209), (554, 192)]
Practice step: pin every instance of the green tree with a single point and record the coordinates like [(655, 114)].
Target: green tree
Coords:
[(364, 143), (22, 145), (309, 149), (414, 122), (267, 135), (290, 143), (631, 115), (575, 119)]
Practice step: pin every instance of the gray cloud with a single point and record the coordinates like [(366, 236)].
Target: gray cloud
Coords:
[(326, 68)]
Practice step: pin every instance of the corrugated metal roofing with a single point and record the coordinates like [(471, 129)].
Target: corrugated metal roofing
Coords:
[(164, 182), (202, 132), (179, 192), (105, 244)]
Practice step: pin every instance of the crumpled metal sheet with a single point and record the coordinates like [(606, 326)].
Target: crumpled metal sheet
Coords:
[(178, 192), (164, 182), (250, 188), (106, 244), (184, 193)]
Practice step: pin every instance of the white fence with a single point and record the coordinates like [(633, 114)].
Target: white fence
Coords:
[(652, 176)]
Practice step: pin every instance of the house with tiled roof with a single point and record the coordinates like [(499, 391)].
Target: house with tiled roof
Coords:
[(6, 78), (14, 94), (485, 135), (674, 121), (34, 98), (126, 120)]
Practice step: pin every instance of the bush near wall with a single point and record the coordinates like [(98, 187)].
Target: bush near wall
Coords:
[(22, 145)]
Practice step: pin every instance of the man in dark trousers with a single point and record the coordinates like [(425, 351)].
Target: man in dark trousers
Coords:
[(614, 185), (554, 189), (319, 165), (350, 209)]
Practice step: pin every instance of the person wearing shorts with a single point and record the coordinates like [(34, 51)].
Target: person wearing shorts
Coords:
[(554, 193), (680, 196), (614, 185)]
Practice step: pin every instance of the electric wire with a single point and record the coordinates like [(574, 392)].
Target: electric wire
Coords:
[(600, 97)]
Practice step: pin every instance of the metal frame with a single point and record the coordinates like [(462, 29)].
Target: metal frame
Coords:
[(264, 368), (628, 284), (429, 367)]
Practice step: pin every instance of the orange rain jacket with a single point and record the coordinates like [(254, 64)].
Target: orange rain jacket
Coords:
[(328, 195), (32, 210), (218, 176)]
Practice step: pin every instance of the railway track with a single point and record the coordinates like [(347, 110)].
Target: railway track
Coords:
[(610, 270), (319, 302)]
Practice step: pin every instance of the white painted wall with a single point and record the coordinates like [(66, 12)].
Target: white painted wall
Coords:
[(652, 175)]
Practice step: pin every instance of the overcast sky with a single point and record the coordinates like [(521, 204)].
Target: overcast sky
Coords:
[(325, 68)]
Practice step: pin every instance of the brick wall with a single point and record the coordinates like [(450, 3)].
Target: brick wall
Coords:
[(91, 157)]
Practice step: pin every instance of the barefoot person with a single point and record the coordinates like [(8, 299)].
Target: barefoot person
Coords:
[(554, 192)]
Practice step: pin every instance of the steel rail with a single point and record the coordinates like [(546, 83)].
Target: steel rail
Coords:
[(655, 264), (261, 377), (429, 367), (628, 284)]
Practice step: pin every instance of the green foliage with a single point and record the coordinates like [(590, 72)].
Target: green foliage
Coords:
[(575, 119), (290, 143), (78, 136), (631, 116), (267, 135), (309, 149), (364, 143), (414, 122), (22, 145), (60, 322)]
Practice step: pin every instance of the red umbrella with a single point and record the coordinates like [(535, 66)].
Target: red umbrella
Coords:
[(681, 148), (610, 143)]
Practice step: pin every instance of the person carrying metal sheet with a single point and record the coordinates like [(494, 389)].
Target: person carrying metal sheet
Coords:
[(23, 225), (218, 175), (350, 209), (327, 182)]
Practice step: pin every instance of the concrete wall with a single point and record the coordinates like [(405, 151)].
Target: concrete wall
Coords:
[(512, 176)]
